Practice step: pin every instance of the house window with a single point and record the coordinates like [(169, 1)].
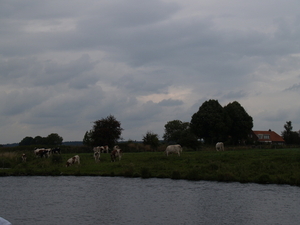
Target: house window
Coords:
[(260, 136), (266, 136)]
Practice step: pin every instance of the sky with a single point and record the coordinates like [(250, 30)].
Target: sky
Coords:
[(65, 64)]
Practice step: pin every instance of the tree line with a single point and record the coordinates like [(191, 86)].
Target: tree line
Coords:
[(210, 124), (51, 139)]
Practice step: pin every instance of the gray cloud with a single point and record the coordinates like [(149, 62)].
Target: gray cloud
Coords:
[(64, 65)]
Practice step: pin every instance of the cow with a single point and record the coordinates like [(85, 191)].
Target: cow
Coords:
[(97, 149), (55, 150), (177, 149), (97, 156), (220, 146), (105, 148), (101, 149), (42, 152), (116, 152), (24, 158), (73, 160)]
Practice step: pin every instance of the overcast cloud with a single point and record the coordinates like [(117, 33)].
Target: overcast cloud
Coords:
[(65, 64)]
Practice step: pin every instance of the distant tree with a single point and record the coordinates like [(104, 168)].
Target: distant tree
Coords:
[(178, 132), (51, 139), (290, 136), (151, 139), (26, 141), (239, 123), (189, 140), (209, 122), (174, 130), (87, 139), (38, 140), (54, 139), (106, 131)]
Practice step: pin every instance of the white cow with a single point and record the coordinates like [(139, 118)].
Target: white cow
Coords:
[(220, 146), (177, 149), (117, 152), (73, 160)]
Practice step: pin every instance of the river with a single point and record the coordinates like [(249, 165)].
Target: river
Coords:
[(70, 200)]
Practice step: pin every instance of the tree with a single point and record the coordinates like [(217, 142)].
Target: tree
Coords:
[(51, 139), (289, 136), (151, 139), (26, 141), (209, 122), (54, 139), (174, 130), (106, 131), (238, 122), (178, 132), (188, 139), (87, 139), (38, 140)]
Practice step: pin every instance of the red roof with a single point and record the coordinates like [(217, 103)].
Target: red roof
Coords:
[(273, 136)]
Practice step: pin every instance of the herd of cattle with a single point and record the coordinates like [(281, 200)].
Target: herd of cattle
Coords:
[(115, 153)]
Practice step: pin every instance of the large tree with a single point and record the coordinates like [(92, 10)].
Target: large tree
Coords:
[(26, 141), (209, 122), (239, 123), (54, 139), (174, 130), (106, 131), (178, 132)]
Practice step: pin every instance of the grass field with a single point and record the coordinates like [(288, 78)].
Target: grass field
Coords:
[(277, 166)]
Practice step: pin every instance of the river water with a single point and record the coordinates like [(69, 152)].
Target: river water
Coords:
[(66, 200)]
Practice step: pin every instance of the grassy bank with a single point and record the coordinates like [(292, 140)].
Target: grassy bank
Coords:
[(278, 166)]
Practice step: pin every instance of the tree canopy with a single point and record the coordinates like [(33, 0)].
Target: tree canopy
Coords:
[(178, 132), (209, 122), (239, 123), (151, 139), (174, 130), (106, 131), (214, 123), (51, 139), (290, 136)]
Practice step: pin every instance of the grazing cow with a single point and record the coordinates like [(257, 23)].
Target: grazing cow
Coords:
[(24, 158), (177, 149), (42, 152), (73, 160), (220, 146), (97, 156), (105, 148), (117, 152), (55, 150), (97, 149)]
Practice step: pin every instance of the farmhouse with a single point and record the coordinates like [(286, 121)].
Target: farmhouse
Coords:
[(268, 137)]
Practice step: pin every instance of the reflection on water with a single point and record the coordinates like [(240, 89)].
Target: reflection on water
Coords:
[(115, 200)]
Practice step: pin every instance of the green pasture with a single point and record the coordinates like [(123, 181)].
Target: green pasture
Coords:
[(278, 166)]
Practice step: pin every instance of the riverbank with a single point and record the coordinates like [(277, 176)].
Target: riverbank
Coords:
[(274, 166)]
